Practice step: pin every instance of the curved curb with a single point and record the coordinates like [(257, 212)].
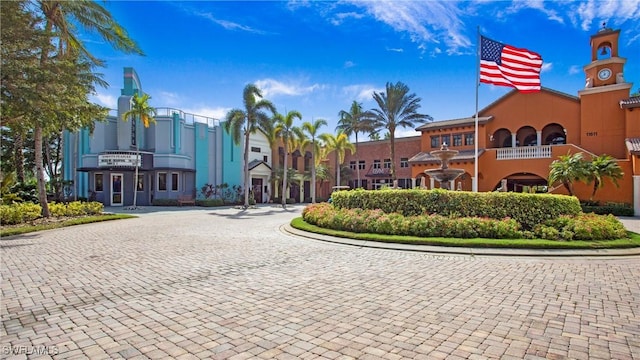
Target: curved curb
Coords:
[(287, 228)]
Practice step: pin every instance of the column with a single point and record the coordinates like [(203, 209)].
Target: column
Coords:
[(539, 138), (513, 139), (413, 183), (432, 183)]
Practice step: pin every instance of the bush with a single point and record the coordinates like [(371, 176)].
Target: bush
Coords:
[(528, 210), (615, 209), (209, 202), (19, 213), (566, 227), (75, 208)]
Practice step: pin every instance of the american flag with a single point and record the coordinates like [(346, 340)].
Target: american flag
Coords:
[(505, 65)]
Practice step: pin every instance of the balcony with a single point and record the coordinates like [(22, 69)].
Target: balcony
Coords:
[(524, 152)]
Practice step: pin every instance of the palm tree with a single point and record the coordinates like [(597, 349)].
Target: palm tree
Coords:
[(61, 19), (396, 108), (140, 109), (239, 122), (285, 130), (353, 122), (340, 144), (601, 167), (312, 130), (567, 169)]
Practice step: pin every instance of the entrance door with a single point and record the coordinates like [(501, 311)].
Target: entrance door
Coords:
[(256, 184), (116, 189)]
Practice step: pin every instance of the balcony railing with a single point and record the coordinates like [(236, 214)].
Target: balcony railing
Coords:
[(524, 152)]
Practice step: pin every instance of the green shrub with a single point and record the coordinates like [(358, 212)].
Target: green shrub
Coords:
[(565, 227), (19, 213), (615, 209), (209, 202), (528, 210), (75, 208), (165, 202)]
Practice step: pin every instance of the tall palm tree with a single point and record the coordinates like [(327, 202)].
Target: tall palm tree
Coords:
[(61, 18), (140, 109), (311, 129), (340, 144), (396, 108), (285, 130), (601, 167), (568, 169), (244, 122), (353, 122)]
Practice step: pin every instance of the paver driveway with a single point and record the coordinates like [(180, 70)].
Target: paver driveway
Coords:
[(222, 283)]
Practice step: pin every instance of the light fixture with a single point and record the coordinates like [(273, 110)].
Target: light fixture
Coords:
[(490, 137), (564, 131)]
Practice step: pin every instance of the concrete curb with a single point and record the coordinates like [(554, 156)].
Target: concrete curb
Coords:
[(287, 228)]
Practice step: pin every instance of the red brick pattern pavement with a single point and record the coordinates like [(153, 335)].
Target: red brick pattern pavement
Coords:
[(228, 284)]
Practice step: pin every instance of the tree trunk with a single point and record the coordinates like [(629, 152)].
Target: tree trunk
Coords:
[(393, 156), (42, 191), (284, 177), (18, 153), (246, 170), (357, 162), (135, 177), (313, 172), (337, 169)]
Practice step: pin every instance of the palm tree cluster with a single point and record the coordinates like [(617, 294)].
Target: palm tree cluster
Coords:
[(396, 108), (570, 168)]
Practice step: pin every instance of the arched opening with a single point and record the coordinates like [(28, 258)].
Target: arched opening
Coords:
[(524, 182)]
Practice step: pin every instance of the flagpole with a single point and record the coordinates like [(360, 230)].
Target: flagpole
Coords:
[(475, 158)]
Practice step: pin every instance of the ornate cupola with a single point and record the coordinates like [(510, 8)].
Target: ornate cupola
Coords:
[(606, 67)]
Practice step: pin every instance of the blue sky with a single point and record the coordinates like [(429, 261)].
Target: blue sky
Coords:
[(318, 56)]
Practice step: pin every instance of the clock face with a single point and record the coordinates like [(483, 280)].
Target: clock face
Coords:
[(604, 74)]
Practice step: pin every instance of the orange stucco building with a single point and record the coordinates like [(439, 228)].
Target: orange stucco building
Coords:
[(521, 134)]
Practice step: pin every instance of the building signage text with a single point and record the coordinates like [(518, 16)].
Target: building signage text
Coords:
[(109, 160)]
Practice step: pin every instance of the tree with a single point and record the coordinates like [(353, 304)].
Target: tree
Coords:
[(568, 169), (311, 129), (285, 130), (601, 167), (340, 144), (140, 110), (396, 108), (353, 122), (63, 60), (245, 122)]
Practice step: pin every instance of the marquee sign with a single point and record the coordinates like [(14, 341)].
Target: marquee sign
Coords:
[(115, 160)]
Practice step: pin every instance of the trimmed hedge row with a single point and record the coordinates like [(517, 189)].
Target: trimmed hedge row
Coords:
[(528, 210), (564, 228), (19, 213)]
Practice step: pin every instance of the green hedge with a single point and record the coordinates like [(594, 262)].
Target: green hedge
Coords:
[(528, 210), (609, 208), (19, 213), (563, 228)]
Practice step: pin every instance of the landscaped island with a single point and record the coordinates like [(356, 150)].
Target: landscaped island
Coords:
[(466, 219)]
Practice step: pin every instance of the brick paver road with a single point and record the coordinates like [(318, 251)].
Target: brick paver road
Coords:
[(221, 283)]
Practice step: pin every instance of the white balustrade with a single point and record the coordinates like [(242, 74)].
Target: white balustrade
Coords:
[(524, 152)]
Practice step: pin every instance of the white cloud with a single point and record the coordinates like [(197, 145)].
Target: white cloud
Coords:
[(105, 100), (546, 66), (575, 69), (361, 92), (341, 17), (272, 88), (395, 49), (218, 113), (349, 64), (167, 98)]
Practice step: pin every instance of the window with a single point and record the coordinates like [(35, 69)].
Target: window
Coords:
[(404, 162), (376, 164), (361, 165), (255, 149), (435, 141), (446, 139), (469, 138), (265, 159), (352, 165), (98, 182), (457, 140), (174, 181), (140, 184), (294, 162), (307, 163), (387, 163), (162, 181)]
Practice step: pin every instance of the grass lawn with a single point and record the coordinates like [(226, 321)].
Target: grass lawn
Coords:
[(632, 241), (54, 223)]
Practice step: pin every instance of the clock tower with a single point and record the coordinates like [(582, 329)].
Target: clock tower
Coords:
[(602, 121)]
